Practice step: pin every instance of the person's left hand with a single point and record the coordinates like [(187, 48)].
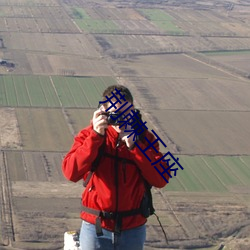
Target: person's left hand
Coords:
[(128, 140)]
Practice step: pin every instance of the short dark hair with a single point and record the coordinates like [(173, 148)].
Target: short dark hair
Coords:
[(123, 90)]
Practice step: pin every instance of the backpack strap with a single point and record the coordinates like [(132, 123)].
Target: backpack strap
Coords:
[(148, 208), (109, 215), (95, 163)]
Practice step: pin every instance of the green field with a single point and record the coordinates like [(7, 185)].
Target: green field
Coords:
[(161, 19), (226, 53), (92, 25), (79, 13), (211, 174), (55, 91), (87, 23), (156, 15)]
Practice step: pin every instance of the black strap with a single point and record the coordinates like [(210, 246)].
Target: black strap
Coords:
[(98, 227), (150, 198), (118, 158), (95, 163), (109, 215)]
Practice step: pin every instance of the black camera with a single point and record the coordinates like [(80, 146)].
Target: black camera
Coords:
[(116, 118), (113, 118)]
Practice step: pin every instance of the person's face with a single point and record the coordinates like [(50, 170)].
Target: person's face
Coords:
[(116, 127)]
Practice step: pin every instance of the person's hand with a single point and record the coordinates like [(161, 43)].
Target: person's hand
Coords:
[(100, 122), (128, 140)]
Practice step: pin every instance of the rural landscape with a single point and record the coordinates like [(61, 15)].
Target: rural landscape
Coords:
[(187, 64)]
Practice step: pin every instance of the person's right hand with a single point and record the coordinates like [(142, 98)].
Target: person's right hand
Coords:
[(100, 122)]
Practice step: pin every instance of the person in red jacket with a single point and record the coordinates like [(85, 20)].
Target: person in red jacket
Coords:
[(113, 197)]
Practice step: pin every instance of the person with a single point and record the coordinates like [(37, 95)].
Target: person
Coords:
[(115, 190)]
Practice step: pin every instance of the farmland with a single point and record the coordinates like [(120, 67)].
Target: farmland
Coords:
[(187, 65), (237, 59), (55, 91), (212, 174), (162, 20)]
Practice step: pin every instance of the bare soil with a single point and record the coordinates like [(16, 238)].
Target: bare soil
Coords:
[(10, 135)]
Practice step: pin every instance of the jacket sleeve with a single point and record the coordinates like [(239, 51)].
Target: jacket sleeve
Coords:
[(83, 152), (145, 165)]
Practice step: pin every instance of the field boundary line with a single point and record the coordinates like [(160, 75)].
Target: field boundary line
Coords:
[(216, 67), (243, 162), (231, 170), (27, 89), (54, 87), (69, 89), (69, 123), (15, 90), (71, 19), (42, 88), (65, 115), (79, 29), (80, 85), (32, 151), (96, 84), (5, 93), (181, 184), (173, 212), (7, 207), (25, 168), (81, 56), (214, 173), (204, 186), (204, 110)]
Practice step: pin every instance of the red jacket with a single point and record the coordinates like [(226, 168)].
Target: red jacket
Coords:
[(101, 192)]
